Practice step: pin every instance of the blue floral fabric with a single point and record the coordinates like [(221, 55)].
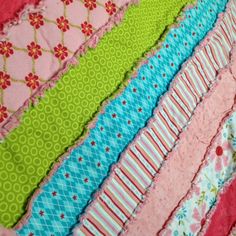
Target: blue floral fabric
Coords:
[(56, 209)]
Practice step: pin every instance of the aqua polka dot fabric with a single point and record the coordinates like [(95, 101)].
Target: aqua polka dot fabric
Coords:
[(57, 207)]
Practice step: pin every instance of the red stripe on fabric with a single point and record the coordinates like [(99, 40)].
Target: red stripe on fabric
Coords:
[(203, 69), (179, 107), (209, 59), (116, 202), (173, 121), (109, 211), (146, 156), (189, 89), (95, 226), (88, 232), (167, 125), (187, 75), (200, 75), (128, 190), (182, 98), (154, 143), (213, 55), (131, 179), (131, 153), (160, 138)]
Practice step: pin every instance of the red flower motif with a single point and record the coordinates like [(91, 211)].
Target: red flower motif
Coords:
[(86, 180), (60, 51), (114, 115), (80, 159), (119, 135), (3, 113), (110, 7), (54, 193), (93, 143), (4, 80), (34, 50), (75, 197), (36, 20), (87, 28), (32, 80), (107, 149), (6, 49), (67, 2), (140, 109), (98, 164), (62, 216), (90, 4), (219, 151), (67, 175), (31, 234), (63, 24), (41, 213)]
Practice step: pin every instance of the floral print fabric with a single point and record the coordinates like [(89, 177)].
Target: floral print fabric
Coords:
[(44, 43), (218, 168)]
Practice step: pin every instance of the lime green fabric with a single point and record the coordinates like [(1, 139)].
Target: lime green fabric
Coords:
[(59, 118)]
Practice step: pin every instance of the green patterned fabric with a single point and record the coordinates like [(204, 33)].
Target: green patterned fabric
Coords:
[(60, 117)]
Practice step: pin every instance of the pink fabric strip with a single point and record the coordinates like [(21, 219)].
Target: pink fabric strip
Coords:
[(223, 217), (183, 162)]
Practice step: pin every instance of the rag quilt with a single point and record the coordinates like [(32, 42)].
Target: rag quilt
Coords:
[(117, 117)]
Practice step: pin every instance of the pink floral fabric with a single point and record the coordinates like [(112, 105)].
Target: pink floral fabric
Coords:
[(45, 42)]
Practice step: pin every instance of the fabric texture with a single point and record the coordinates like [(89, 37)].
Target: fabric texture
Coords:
[(175, 177), (41, 48), (191, 214), (224, 210), (11, 12), (145, 155), (51, 126), (91, 161), (233, 230)]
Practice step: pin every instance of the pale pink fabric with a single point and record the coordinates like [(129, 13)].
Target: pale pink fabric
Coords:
[(6, 232), (37, 51), (10, 10), (183, 162)]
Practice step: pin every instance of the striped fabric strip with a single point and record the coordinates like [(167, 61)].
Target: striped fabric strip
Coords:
[(127, 185)]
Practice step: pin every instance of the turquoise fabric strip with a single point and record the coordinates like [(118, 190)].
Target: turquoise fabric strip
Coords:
[(56, 209)]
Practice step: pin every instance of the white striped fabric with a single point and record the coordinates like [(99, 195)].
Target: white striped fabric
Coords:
[(127, 185)]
